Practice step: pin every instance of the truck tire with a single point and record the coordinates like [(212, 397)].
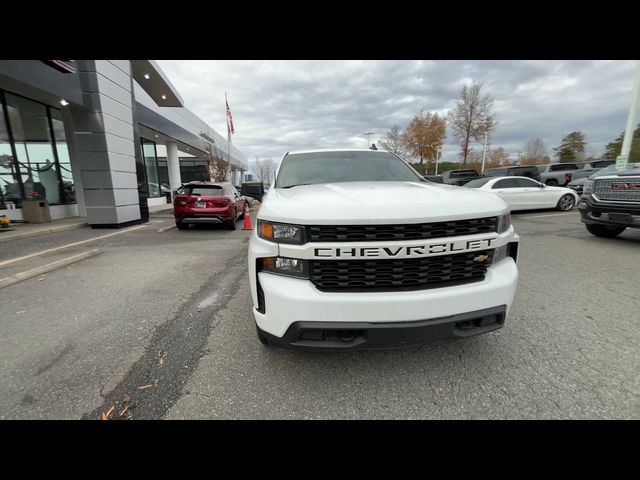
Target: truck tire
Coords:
[(552, 182), (261, 336), (604, 230), (566, 203), (182, 226)]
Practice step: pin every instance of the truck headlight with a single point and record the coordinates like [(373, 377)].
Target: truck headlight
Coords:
[(504, 222), (292, 267), (588, 187), (281, 232)]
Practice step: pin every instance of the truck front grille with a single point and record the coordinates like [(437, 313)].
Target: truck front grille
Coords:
[(400, 274), (618, 189), (413, 231)]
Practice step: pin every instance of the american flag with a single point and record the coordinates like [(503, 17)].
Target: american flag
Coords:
[(230, 128)]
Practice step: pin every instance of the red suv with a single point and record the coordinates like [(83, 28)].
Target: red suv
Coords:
[(208, 202)]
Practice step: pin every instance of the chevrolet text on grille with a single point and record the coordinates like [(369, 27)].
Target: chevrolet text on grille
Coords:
[(411, 251)]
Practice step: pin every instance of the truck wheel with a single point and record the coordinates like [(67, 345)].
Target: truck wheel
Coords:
[(181, 226), (566, 203), (261, 336), (604, 230), (552, 182)]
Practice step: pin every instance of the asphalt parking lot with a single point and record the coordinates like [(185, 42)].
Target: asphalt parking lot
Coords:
[(184, 346)]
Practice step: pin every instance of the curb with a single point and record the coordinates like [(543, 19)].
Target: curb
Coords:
[(37, 233), (34, 272)]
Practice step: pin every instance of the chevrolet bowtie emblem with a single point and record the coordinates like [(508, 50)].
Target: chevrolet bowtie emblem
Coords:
[(480, 258)]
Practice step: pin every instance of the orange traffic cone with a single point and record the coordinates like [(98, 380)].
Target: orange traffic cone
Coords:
[(247, 219)]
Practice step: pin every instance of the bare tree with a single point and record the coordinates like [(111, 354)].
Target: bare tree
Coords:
[(393, 141), (535, 150), (472, 117), (266, 170)]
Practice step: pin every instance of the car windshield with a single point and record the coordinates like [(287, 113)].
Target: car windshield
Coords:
[(614, 169), (477, 183), (206, 190), (333, 167)]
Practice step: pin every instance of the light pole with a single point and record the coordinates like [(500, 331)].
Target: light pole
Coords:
[(484, 150), (631, 122), (438, 157), (368, 134)]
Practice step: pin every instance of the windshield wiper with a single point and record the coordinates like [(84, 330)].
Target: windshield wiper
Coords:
[(297, 185)]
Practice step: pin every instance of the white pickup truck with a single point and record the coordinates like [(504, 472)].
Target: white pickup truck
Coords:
[(353, 249)]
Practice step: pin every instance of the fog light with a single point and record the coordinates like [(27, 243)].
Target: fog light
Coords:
[(294, 267), (500, 253)]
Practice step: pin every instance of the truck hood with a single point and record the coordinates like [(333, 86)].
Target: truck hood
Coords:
[(377, 203)]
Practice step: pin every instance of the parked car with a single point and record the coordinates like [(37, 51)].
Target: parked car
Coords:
[(354, 250), (523, 193), (254, 189), (611, 200), (208, 202), (459, 177), (580, 179), (530, 171), (554, 174)]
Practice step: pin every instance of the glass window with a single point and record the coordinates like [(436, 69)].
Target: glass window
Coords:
[(206, 190), (151, 165), (563, 166), (506, 183), (35, 157), (64, 160), (464, 173), (9, 185), (527, 183)]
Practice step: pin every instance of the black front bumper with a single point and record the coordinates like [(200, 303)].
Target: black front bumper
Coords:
[(368, 336), (597, 212)]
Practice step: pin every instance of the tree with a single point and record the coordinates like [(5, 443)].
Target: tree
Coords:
[(393, 141), (216, 164), (571, 148), (266, 170), (424, 136), (613, 149), (499, 158), (534, 151), (472, 117)]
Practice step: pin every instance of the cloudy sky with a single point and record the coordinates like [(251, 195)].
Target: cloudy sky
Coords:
[(279, 106)]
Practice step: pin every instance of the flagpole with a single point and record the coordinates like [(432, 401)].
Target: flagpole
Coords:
[(226, 115)]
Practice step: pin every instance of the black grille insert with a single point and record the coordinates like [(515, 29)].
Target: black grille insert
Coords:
[(400, 274), (413, 231)]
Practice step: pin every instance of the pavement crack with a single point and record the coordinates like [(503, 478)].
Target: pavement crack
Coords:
[(182, 339)]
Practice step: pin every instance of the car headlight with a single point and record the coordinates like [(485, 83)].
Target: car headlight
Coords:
[(504, 222), (281, 232), (588, 187), (292, 267)]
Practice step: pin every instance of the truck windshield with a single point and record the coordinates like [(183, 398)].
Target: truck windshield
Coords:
[(333, 167)]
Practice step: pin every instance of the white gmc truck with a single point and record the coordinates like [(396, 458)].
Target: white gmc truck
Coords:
[(353, 249)]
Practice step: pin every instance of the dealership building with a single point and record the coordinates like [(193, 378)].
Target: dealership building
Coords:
[(101, 139)]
